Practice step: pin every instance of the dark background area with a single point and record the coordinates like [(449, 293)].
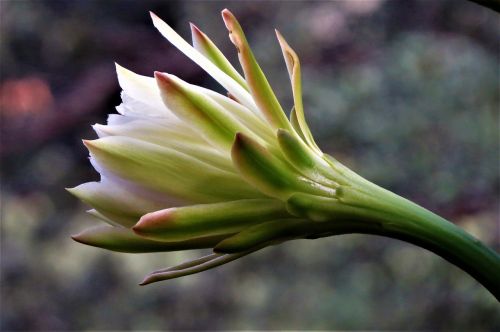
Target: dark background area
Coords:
[(404, 92)]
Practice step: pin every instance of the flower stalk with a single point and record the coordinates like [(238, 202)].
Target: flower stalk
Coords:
[(374, 210), (183, 167)]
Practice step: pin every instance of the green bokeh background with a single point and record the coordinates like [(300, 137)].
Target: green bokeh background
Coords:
[(404, 92)]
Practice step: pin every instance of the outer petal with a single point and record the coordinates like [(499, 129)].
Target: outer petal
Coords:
[(256, 80), (140, 96), (180, 138), (194, 107), (265, 233), (226, 81), (124, 240), (118, 202), (293, 66), (205, 46), (256, 124), (165, 170), (208, 219), (195, 266), (267, 173), (304, 159)]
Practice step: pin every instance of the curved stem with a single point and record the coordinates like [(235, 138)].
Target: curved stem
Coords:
[(447, 240), (384, 213)]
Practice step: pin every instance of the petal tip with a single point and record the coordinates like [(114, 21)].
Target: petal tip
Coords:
[(166, 82), (162, 76), (145, 281), (119, 67), (152, 221), (281, 39), (154, 17), (228, 18), (79, 238), (87, 143), (194, 28)]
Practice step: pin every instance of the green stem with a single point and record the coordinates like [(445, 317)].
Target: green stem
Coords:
[(361, 206), (396, 217)]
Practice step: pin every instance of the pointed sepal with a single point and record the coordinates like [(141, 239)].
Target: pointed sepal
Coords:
[(196, 266), (205, 46), (302, 157), (225, 80), (268, 173), (293, 66), (194, 107), (268, 233), (187, 222), (257, 82), (124, 240)]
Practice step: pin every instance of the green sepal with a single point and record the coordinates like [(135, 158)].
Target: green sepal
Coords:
[(295, 124), (295, 150), (205, 46), (293, 66), (259, 86), (187, 222), (198, 109), (265, 233), (268, 173), (321, 209), (196, 266), (124, 240), (302, 157)]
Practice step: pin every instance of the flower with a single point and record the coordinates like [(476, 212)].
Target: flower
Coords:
[(183, 167)]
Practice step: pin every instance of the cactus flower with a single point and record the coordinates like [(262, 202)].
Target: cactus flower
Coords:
[(183, 167)]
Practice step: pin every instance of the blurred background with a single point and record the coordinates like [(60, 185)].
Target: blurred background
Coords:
[(404, 92)]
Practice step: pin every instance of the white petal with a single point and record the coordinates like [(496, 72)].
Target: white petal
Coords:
[(137, 108), (165, 170), (180, 138), (249, 119), (119, 202), (118, 119), (140, 95), (227, 82)]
